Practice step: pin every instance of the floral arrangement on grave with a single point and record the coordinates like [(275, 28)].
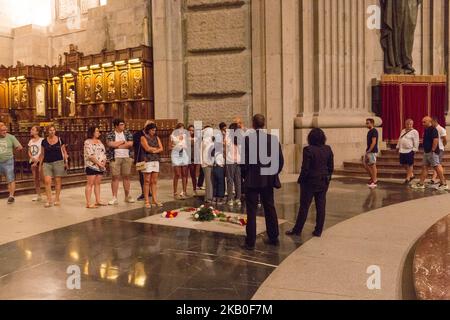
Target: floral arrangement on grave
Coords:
[(205, 214), (170, 214)]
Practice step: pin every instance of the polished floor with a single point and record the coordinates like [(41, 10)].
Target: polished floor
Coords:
[(120, 258)]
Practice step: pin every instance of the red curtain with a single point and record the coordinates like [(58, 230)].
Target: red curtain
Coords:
[(401, 101), (390, 97), (415, 104), (438, 102)]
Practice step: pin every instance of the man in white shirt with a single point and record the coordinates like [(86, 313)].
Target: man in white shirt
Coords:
[(442, 144), (120, 143)]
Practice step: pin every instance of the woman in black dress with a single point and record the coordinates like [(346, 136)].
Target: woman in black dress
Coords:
[(314, 180)]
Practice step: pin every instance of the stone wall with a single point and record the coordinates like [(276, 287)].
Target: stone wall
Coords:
[(6, 45), (118, 25), (217, 60)]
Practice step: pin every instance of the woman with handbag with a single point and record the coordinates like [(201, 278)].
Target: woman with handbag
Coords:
[(152, 147), (54, 160), (95, 164)]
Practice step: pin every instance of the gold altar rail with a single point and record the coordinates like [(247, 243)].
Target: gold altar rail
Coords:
[(402, 78)]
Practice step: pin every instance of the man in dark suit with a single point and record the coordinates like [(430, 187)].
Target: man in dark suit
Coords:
[(263, 163)]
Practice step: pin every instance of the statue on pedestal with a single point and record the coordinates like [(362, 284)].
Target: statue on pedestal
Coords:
[(399, 20), (71, 99)]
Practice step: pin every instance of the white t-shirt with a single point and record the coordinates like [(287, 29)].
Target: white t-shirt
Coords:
[(35, 148), (442, 133), (121, 153), (408, 142)]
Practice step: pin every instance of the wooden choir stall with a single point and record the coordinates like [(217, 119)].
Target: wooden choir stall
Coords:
[(77, 93)]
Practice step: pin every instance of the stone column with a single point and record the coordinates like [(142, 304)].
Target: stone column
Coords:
[(218, 61), (168, 59), (346, 56)]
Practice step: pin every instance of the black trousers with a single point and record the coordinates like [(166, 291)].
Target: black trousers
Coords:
[(307, 194), (201, 179), (267, 198), (218, 182)]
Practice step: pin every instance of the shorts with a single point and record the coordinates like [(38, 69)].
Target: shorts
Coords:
[(7, 169), (121, 167), (371, 159), (92, 172), (431, 160), (441, 156), (180, 158), (55, 169), (407, 159), (151, 167)]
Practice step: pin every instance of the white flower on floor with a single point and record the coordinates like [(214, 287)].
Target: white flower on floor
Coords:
[(164, 214), (196, 216)]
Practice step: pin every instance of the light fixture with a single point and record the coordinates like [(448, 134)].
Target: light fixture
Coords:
[(12, 79), (107, 65), (134, 61), (95, 66), (83, 68), (55, 78), (120, 63), (68, 75), (21, 78)]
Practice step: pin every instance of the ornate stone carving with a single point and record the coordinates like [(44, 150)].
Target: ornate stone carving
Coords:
[(24, 99), (111, 87), (40, 100), (87, 89), (124, 85), (138, 84), (98, 89)]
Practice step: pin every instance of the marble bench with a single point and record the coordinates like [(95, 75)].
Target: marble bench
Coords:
[(432, 263), (351, 256)]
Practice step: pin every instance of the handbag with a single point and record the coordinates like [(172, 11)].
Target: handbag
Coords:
[(141, 165)]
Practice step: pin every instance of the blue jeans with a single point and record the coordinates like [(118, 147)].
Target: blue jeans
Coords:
[(7, 169), (219, 182)]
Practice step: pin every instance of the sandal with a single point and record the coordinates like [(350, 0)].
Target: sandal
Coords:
[(101, 204), (91, 206), (158, 204), (48, 205), (148, 205), (57, 204)]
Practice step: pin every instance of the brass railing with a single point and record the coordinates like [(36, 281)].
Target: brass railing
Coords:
[(74, 137)]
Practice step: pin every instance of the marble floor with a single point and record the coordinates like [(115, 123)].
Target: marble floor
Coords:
[(120, 258)]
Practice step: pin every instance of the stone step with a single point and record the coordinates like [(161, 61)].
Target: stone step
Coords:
[(386, 174), (388, 165)]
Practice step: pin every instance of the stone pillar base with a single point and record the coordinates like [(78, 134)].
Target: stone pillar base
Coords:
[(345, 134)]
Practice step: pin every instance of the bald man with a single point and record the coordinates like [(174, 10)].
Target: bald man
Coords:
[(8, 144), (431, 157)]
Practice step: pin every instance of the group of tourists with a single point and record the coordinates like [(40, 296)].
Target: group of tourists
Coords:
[(219, 161), (434, 143)]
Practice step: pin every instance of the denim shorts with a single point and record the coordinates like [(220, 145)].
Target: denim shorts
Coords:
[(431, 160), (55, 169), (7, 169), (371, 159)]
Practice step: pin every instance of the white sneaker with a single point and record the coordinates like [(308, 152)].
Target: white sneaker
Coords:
[(373, 185), (231, 203), (113, 202), (443, 187), (130, 199), (238, 203), (37, 199)]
